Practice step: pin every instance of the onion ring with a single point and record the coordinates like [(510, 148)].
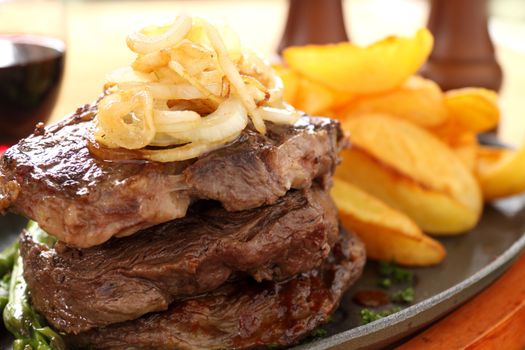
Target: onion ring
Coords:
[(193, 88), (229, 119), (143, 43), (175, 121), (126, 118)]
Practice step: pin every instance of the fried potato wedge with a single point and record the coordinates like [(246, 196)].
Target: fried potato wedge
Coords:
[(501, 172), (463, 143), (411, 170), (418, 100), (449, 132), (474, 109), (468, 151), (341, 99), (313, 98), (291, 83), (379, 67), (387, 233)]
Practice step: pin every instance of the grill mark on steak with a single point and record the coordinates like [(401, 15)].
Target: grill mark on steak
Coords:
[(125, 278), (242, 314), (84, 201)]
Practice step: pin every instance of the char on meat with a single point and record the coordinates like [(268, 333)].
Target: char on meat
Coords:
[(125, 278), (53, 178), (243, 314)]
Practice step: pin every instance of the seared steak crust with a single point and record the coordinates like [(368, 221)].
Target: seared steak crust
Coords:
[(125, 278), (52, 178), (242, 314)]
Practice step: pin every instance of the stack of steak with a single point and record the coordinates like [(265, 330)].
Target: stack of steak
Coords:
[(239, 248)]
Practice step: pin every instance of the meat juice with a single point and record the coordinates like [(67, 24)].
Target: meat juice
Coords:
[(31, 68)]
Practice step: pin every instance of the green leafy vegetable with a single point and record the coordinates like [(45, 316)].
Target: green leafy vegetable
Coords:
[(7, 258), (4, 290), (20, 319)]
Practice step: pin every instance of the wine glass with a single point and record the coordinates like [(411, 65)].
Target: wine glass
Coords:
[(32, 52)]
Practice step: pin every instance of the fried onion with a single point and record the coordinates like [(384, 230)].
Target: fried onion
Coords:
[(192, 88)]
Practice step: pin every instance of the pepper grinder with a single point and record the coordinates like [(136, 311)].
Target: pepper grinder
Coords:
[(313, 22), (463, 52)]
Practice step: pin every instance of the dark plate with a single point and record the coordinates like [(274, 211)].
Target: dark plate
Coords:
[(474, 261)]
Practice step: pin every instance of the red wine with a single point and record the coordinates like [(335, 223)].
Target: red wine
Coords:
[(31, 70)]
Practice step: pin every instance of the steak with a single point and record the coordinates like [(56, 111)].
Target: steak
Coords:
[(125, 278), (243, 314), (53, 178)]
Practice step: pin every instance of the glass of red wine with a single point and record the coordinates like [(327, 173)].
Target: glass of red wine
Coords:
[(32, 53)]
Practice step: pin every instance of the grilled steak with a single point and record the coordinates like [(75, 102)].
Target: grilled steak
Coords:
[(241, 315), (124, 278), (52, 178)]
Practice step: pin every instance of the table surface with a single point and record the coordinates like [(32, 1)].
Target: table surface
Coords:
[(96, 45)]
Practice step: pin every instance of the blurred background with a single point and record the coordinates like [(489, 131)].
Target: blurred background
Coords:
[(95, 33)]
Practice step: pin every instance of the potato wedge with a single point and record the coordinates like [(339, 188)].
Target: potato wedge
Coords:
[(387, 233), (474, 109), (463, 143), (412, 171), (418, 100), (309, 96), (465, 146), (379, 67), (501, 172), (291, 82), (448, 132), (313, 98), (341, 99)]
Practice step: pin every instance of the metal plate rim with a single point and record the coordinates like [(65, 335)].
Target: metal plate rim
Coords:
[(493, 269)]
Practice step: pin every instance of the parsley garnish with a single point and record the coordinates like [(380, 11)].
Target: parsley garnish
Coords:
[(395, 273), (368, 315), (319, 333), (405, 296), (385, 283), (392, 275)]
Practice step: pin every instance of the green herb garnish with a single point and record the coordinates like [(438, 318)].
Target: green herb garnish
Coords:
[(319, 333), (368, 315), (395, 273), (385, 283), (405, 296)]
